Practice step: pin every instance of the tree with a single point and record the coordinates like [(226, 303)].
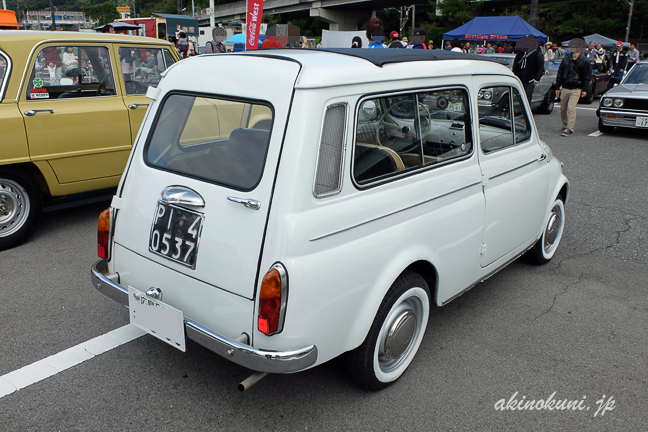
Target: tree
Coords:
[(103, 13)]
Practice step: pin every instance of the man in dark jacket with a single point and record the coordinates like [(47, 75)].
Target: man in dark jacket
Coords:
[(574, 76), (618, 61), (529, 67)]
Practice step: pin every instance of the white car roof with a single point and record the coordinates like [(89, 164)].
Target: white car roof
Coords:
[(327, 68)]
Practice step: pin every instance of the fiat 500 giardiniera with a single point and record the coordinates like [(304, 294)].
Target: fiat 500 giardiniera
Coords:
[(71, 105), (325, 206)]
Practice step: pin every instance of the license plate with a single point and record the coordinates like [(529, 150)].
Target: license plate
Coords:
[(175, 233), (156, 318), (641, 122)]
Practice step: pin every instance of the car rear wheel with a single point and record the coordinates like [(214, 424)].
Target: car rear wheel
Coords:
[(547, 244), (547, 105), (603, 128), (21, 204), (395, 335)]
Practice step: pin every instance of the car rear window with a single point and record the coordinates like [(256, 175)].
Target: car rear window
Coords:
[(218, 140)]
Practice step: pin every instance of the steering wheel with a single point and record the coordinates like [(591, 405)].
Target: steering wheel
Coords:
[(103, 83), (402, 126), (133, 87)]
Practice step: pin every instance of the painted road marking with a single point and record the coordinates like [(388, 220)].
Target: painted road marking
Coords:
[(596, 134), (50, 366)]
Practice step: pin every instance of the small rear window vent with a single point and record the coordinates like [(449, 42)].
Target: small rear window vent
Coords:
[(328, 179)]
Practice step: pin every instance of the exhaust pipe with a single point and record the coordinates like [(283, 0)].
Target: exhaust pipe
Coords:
[(251, 380)]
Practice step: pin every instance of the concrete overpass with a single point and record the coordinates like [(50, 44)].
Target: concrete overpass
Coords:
[(341, 15)]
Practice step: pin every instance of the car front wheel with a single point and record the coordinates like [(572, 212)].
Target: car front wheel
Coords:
[(603, 128), (547, 244), (395, 335), (547, 105), (21, 204)]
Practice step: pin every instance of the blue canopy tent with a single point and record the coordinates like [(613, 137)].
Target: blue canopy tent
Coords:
[(239, 41), (501, 28)]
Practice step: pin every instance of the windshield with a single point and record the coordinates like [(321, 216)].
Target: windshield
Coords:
[(637, 75), (553, 65)]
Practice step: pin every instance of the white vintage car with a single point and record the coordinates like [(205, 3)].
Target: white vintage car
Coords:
[(301, 204)]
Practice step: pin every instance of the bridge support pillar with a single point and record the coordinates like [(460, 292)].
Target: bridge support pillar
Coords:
[(340, 19)]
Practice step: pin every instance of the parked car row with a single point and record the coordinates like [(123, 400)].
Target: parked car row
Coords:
[(71, 105)]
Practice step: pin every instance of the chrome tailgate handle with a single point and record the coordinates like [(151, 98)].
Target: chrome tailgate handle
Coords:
[(249, 203), (182, 195)]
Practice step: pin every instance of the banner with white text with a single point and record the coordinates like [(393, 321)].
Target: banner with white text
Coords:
[(253, 24)]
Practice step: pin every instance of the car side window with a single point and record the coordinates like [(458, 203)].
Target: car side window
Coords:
[(142, 66), (496, 118), (522, 129), (402, 132), (69, 71)]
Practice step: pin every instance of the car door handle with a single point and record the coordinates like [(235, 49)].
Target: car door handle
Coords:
[(249, 203), (542, 157), (35, 111), (135, 106)]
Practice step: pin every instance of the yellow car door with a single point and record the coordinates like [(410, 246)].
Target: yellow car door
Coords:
[(74, 116)]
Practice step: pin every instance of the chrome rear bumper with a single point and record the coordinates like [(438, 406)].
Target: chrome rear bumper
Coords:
[(244, 355)]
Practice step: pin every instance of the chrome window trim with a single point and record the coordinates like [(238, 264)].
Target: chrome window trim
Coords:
[(413, 170), (515, 144), (344, 146), (7, 75)]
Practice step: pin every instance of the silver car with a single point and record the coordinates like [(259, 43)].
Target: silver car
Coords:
[(626, 105), (544, 94)]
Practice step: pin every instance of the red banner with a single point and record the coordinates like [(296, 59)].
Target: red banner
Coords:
[(253, 24)]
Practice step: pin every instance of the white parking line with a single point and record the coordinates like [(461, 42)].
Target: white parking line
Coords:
[(596, 134), (42, 369)]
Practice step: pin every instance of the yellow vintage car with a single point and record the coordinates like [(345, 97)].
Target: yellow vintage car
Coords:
[(71, 105)]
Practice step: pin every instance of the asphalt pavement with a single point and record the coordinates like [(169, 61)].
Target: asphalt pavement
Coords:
[(570, 333)]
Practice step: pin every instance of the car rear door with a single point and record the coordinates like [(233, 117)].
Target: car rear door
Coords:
[(198, 190)]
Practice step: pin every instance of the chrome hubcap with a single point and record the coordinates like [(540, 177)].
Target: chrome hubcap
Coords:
[(14, 207), (554, 226), (400, 335)]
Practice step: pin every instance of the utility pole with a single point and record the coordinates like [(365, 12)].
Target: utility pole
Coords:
[(629, 20), (53, 26), (533, 16), (179, 7)]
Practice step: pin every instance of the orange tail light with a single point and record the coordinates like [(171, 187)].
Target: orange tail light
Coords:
[(103, 233), (272, 300)]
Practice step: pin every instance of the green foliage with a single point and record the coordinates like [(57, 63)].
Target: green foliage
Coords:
[(103, 13), (271, 19), (564, 21)]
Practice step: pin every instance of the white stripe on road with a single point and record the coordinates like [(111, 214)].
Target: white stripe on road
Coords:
[(580, 108), (42, 369), (596, 134)]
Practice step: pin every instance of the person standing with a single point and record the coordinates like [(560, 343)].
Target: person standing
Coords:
[(529, 68), (508, 47), (418, 39), (456, 45), (395, 40), (574, 73), (618, 61), (600, 57), (633, 56), (375, 33), (219, 34), (500, 48)]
